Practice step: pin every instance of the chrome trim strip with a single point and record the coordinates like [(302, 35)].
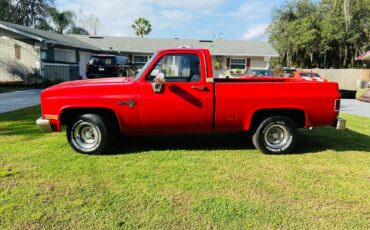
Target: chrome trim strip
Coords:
[(44, 125)]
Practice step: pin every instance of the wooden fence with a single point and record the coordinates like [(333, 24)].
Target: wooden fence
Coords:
[(61, 72), (349, 79)]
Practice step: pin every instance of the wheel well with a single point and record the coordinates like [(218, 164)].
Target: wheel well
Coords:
[(298, 116), (68, 115)]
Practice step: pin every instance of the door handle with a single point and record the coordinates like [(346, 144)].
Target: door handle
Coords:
[(200, 88)]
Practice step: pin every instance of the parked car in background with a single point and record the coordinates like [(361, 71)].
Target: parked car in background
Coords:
[(309, 76), (108, 65), (288, 71), (260, 73)]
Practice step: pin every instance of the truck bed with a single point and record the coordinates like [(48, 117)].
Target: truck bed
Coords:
[(236, 100)]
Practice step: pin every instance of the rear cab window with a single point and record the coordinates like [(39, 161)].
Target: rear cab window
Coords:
[(104, 61)]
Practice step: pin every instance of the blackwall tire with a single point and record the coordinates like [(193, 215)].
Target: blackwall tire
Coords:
[(275, 135), (89, 134)]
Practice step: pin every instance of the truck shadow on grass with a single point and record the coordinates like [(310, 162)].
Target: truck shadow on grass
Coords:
[(328, 138), (322, 139), (139, 144)]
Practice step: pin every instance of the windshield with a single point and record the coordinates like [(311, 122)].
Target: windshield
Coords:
[(141, 71), (260, 72), (310, 75)]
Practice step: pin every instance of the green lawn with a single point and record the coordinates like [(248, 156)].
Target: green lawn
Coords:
[(183, 182), (7, 89), (360, 92)]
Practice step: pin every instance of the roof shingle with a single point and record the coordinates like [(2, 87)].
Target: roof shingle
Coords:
[(151, 45), (58, 39)]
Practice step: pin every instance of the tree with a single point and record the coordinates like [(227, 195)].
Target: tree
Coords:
[(62, 20), (4, 10), (326, 33), (77, 30), (29, 13), (93, 24), (142, 27)]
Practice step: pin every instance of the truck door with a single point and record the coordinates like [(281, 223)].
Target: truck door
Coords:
[(180, 107)]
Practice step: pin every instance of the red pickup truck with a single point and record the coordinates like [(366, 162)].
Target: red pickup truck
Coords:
[(175, 93)]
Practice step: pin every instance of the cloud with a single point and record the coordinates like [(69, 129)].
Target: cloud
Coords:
[(256, 9), (256, 32), (199, 5), (116, 16)]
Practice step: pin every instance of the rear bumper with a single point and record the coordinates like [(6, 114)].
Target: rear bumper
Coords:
[(340, 123), (44, 125)]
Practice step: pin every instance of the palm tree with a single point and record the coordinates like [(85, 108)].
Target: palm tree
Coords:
[(142, 27), (62, 19)]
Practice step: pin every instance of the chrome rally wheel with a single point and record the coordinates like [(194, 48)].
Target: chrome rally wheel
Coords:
[(86, 136), (275, 135), (89, 134)]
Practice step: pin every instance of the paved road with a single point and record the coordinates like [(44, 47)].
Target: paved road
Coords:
[(19, 100), (355, 107)]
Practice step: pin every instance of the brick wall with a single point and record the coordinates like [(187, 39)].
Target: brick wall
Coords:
[(18, 59)]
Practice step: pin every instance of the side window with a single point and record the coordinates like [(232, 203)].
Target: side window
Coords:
[(177, 68), (119, 60)]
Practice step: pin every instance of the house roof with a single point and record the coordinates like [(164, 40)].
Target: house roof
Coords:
[(46, 36), (365, 56), (151, 45), (143, 45)]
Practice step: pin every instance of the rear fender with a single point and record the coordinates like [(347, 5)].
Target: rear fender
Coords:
[(249, 120)]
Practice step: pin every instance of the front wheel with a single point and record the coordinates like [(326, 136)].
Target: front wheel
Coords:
[(89, 134), (275, 135)]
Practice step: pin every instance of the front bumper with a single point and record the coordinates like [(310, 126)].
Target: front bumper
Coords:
[(340, 123), (44, 125)]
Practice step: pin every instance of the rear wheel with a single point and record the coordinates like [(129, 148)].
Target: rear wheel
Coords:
[(89, 134), (275, 135)]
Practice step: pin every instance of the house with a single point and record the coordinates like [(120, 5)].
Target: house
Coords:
[(28, 52), (31, 53), (229, 54)]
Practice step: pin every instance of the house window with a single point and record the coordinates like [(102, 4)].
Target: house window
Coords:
[(63, 55), (237, 63), (17, 49), (140, 60)]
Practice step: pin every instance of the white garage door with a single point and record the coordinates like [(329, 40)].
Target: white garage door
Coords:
[(84, 59)]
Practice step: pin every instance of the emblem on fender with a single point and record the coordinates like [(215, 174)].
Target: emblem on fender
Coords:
[(131, 103)]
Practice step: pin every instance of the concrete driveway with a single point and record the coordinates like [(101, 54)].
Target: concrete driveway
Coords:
[(355, 107), (19, 100)]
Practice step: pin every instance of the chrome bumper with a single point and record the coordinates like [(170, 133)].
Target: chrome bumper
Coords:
[(44, 125), (340, 123)]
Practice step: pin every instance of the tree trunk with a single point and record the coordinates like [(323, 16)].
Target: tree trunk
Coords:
[(345, 56)]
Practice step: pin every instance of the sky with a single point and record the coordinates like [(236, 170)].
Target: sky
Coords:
[(193, 19)]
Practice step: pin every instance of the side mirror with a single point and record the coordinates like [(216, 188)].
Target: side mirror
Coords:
[(158, 83)]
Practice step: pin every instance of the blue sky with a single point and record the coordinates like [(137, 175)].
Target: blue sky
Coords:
[(198, 19)]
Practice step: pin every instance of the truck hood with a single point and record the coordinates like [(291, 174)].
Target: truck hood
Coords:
[(76, 85), (98, 81)]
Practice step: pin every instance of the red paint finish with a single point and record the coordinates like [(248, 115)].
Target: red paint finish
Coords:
[(200, 107)]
